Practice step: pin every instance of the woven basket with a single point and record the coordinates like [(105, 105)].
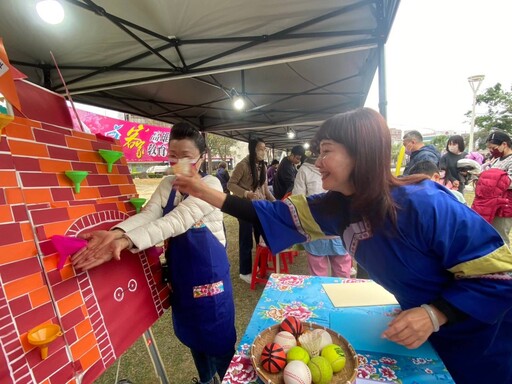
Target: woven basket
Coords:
[(346, 376)]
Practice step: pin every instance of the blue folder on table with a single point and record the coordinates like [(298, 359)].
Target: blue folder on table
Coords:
[(362, 328)]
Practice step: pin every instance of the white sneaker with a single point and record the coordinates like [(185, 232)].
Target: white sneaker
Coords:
[(247, 278)]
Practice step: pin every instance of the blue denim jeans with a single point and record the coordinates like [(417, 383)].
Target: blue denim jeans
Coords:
[(208, 365)]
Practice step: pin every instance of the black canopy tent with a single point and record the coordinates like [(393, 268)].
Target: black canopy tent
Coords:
[(295, 62)]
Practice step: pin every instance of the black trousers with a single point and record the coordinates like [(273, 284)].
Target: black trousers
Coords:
[(245, 244)]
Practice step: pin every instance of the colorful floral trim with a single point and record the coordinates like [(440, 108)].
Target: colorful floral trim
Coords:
[(208, 289)]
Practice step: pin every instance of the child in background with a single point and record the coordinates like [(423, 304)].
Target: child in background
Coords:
[(431, 170)]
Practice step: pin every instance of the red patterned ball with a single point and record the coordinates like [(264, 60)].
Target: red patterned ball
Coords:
[(293, 325), (273, 358)]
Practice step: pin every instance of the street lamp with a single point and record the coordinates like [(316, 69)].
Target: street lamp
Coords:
[(474, 82)]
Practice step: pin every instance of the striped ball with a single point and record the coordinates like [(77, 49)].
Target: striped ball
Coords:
[(273, 358), (293, 325)]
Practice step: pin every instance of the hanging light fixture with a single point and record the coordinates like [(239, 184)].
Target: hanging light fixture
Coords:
[(290, 133), (237, 100), (50, 11), (306, 145), (238, 103)]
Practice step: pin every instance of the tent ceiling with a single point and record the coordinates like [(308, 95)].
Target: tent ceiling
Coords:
[(296, 62)]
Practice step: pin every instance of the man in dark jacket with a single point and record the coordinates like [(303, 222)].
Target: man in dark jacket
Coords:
[(418, 151), (286, 172)]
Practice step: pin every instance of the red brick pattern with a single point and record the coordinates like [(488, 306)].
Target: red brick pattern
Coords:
[(38, 201)]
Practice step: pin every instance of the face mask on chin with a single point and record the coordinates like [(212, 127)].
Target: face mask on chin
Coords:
[(408, 151)]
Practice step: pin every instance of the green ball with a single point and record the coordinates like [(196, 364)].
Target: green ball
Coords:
[(321, 370), (297, 353), (335, 356)]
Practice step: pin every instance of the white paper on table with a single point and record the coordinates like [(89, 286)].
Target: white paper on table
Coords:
[(358, 294)]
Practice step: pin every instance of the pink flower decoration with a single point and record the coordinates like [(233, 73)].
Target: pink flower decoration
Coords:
[(240, 371), (370, 368), (286, 282), (363, 373), (296, 310), (388, 361), (419, 361), (387, 373)]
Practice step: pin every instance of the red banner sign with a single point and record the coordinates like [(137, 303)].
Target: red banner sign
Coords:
[(140, 142)]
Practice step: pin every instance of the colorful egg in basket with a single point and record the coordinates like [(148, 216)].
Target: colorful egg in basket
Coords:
[(347, 375)]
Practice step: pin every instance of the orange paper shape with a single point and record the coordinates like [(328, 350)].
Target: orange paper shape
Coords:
[(7, 87), (66, 246)]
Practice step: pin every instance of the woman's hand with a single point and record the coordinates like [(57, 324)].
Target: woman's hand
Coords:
[(98, 241), (252, 195), (194, 186), (107, 253), (111, 251), (412, 327), (190, 185)]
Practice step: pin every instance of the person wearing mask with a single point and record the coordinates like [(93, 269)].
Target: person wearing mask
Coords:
[(286, 172), (493, 192), (448, 163), (326, 253), (418, 151), (449, 270), (249, 181), (203, 310), (223, 176)]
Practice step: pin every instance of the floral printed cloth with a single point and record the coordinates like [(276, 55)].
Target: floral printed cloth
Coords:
[(304, 298), (208, 289)]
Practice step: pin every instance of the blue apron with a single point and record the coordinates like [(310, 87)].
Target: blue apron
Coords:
[(202, 304)]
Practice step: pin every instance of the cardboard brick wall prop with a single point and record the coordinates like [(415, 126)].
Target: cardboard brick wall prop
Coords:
[(101, 312)]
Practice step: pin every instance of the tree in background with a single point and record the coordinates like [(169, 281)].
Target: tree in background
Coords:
[(440, 142), (219, 145), (498, 116)]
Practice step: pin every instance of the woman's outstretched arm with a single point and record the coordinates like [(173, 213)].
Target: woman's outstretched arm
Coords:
[(230, 204)]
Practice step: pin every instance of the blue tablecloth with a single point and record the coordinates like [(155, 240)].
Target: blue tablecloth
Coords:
[(305, 298)]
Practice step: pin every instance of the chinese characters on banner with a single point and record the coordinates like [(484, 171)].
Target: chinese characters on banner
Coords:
[(140, 142)]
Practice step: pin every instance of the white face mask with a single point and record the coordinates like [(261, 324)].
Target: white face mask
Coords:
[(453, 149), (260, 155)]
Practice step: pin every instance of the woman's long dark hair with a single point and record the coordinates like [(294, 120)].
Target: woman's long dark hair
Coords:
[(365, 135), (257, 180)]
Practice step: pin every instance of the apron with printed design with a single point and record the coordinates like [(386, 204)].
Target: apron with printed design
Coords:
[(202, 296)]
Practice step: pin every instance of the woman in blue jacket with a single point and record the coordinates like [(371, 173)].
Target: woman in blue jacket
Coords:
[(448, 268)]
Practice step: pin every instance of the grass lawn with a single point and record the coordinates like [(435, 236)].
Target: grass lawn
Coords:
[(135, 364)]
